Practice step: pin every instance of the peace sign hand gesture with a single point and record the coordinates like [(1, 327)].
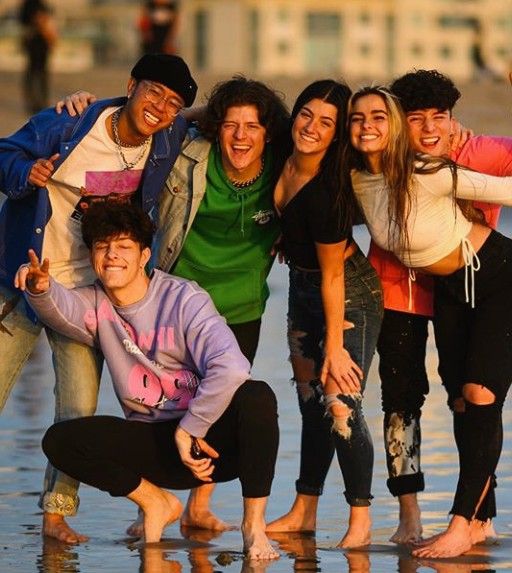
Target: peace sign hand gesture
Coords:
[(33, 276)]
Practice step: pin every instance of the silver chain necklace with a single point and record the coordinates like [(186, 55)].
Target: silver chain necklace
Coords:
[(127, 164)]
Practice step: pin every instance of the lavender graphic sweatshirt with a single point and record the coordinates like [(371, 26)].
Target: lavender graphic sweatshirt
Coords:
[(170, 355)]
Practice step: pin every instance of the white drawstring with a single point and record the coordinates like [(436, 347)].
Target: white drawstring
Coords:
[(412, 279), (472, 262)]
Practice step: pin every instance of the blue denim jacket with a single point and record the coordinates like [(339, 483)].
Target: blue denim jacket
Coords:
[(27, 209)]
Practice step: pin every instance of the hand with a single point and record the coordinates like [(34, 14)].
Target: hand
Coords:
[(460, 135), (343, 371), (33, 276), (76, 103), (203, 468), (42, 170)]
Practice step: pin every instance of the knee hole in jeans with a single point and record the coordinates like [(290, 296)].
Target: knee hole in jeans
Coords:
[(477, 394), (341, 415)]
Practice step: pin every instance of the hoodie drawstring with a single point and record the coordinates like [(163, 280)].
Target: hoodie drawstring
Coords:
[(471, 265)]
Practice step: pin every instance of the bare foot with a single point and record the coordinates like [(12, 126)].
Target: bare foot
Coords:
[(136, 529), (455, 541), (203, 519), (54, 525), (483, 532), (201, 535), (409, 528), (301, 517), (159, 513), (197, 512), (359, 529), (257, 544)]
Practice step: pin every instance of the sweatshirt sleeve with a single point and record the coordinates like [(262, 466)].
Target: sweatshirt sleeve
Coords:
[(470, 185), (68, 311), (219, 361)]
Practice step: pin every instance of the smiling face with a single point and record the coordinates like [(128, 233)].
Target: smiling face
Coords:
[(314, 127), (242, 141), (151, 107), (119, 264), (430, 130), (369, 129)]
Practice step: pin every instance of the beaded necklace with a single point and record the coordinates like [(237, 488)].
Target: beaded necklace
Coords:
[(245, 184)]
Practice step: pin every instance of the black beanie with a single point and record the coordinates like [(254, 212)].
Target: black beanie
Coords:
[(170, 71)]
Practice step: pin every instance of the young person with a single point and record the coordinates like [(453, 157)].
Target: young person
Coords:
[(427, 98), (216, 220), (176, 369), (334, 312), (120, 149), (407, 199)]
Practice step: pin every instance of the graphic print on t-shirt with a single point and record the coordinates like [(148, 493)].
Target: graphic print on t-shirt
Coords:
[(118, 186)]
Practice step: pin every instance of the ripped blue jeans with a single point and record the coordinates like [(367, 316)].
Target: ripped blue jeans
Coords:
[(320, 437)]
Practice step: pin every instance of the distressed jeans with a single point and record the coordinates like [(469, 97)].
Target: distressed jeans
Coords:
[(77, 369), (306, 332), (404, 385)]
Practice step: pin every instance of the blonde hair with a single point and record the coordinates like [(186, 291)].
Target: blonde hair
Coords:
[(399, 163)]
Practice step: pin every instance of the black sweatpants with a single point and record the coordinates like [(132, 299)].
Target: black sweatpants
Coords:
[(114, 454)]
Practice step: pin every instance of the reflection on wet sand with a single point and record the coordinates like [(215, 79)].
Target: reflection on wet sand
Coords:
[(301, 549)]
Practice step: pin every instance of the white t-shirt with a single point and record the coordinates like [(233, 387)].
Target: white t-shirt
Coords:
[(93, 171)]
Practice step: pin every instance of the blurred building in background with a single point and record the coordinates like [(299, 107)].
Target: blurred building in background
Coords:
[(371, 38)]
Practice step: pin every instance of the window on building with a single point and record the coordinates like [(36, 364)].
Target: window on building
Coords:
[(446, 52), (323, 41), (201, 36), (254, 26)]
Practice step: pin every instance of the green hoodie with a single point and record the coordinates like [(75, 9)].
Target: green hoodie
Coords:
[(227, 250)]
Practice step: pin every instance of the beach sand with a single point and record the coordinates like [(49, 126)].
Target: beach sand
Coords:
[(485, 108)]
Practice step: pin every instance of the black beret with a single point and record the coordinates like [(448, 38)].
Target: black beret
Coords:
[(171, 71)]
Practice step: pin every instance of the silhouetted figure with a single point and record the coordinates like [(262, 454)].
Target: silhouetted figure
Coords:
[(158, 24), (39, 36)]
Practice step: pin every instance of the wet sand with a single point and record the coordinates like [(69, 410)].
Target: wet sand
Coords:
[(29, 411)]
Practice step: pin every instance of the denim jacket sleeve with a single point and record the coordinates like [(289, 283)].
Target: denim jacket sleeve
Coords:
[(40, 137)]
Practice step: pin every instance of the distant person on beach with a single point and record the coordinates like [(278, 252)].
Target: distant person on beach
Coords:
[(178, 373), (427, 98), (409, 202), (334, 311), (39, 35), (158, 24), (217, 224), (51, 171)]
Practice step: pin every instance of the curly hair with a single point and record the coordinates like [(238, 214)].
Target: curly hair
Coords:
[(239, 91), (104, 220), (425, 89)]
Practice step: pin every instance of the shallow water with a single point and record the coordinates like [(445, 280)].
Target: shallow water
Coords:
[(29, 411)]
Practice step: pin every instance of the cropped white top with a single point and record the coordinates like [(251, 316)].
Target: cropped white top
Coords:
[(436, 225)]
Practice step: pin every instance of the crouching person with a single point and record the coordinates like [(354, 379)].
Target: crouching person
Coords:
[(192, 414)]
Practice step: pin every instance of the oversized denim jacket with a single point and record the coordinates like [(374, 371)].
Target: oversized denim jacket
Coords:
[(27, 210), (182, 194)]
